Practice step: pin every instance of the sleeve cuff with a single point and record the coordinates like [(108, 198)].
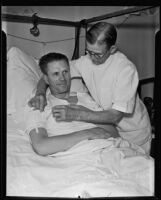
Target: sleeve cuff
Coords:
[(35, 126), (123, 107)]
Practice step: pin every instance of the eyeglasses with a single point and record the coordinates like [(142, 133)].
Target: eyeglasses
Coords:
[(96, 55)]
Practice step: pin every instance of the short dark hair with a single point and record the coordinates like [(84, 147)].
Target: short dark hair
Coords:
[(51, 57), (102, 32)]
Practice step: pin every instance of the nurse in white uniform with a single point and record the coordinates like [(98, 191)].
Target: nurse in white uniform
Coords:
[(112, 81)]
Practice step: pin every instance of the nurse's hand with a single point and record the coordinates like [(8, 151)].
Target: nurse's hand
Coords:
[(38, 102), (68, 113)]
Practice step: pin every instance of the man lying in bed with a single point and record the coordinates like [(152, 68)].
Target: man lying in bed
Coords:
[(47, 134)]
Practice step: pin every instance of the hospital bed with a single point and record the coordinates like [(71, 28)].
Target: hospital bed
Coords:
[(98, 168)]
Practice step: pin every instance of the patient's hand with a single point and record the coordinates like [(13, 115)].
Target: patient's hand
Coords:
[(97, 133), (38, 102), (110, 129)]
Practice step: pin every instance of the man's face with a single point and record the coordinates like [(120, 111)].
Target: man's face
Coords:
[(58, 76), (97, 53)]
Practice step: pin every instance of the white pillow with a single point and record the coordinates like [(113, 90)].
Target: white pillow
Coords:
[(23, 73)]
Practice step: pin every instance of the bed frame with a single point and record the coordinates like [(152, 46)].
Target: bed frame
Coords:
[(78, 25), (152, 104)]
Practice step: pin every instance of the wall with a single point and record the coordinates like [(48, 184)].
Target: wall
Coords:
[(49, 33), (37, 46), (137, 40), (136, 34)]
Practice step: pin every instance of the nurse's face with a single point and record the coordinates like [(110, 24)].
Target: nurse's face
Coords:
[(97, 53)]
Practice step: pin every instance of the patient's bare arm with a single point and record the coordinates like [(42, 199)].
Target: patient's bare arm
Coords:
[(41, 87), (44, 145)]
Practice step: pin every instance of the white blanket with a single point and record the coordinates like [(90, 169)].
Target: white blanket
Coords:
[(95, 168)]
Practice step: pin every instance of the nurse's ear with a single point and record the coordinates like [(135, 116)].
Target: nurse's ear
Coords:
[(113, 49)]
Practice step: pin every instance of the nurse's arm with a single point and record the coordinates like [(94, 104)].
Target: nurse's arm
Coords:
[(81, 113), (39, 100), (110, 116)]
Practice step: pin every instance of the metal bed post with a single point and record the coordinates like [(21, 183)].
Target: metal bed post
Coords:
[(82, 23), (27, 19), (76, 48), (119, 13)]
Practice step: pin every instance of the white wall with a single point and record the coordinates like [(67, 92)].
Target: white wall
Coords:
[(137, 41), (136, 35), (49, 33), (42, 44)]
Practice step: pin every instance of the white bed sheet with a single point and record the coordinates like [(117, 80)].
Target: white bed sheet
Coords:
[(96, 168)]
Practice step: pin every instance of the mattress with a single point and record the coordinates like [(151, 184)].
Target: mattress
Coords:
[(95, 168)]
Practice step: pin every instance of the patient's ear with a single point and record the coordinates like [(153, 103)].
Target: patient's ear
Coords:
[(45, 77)]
